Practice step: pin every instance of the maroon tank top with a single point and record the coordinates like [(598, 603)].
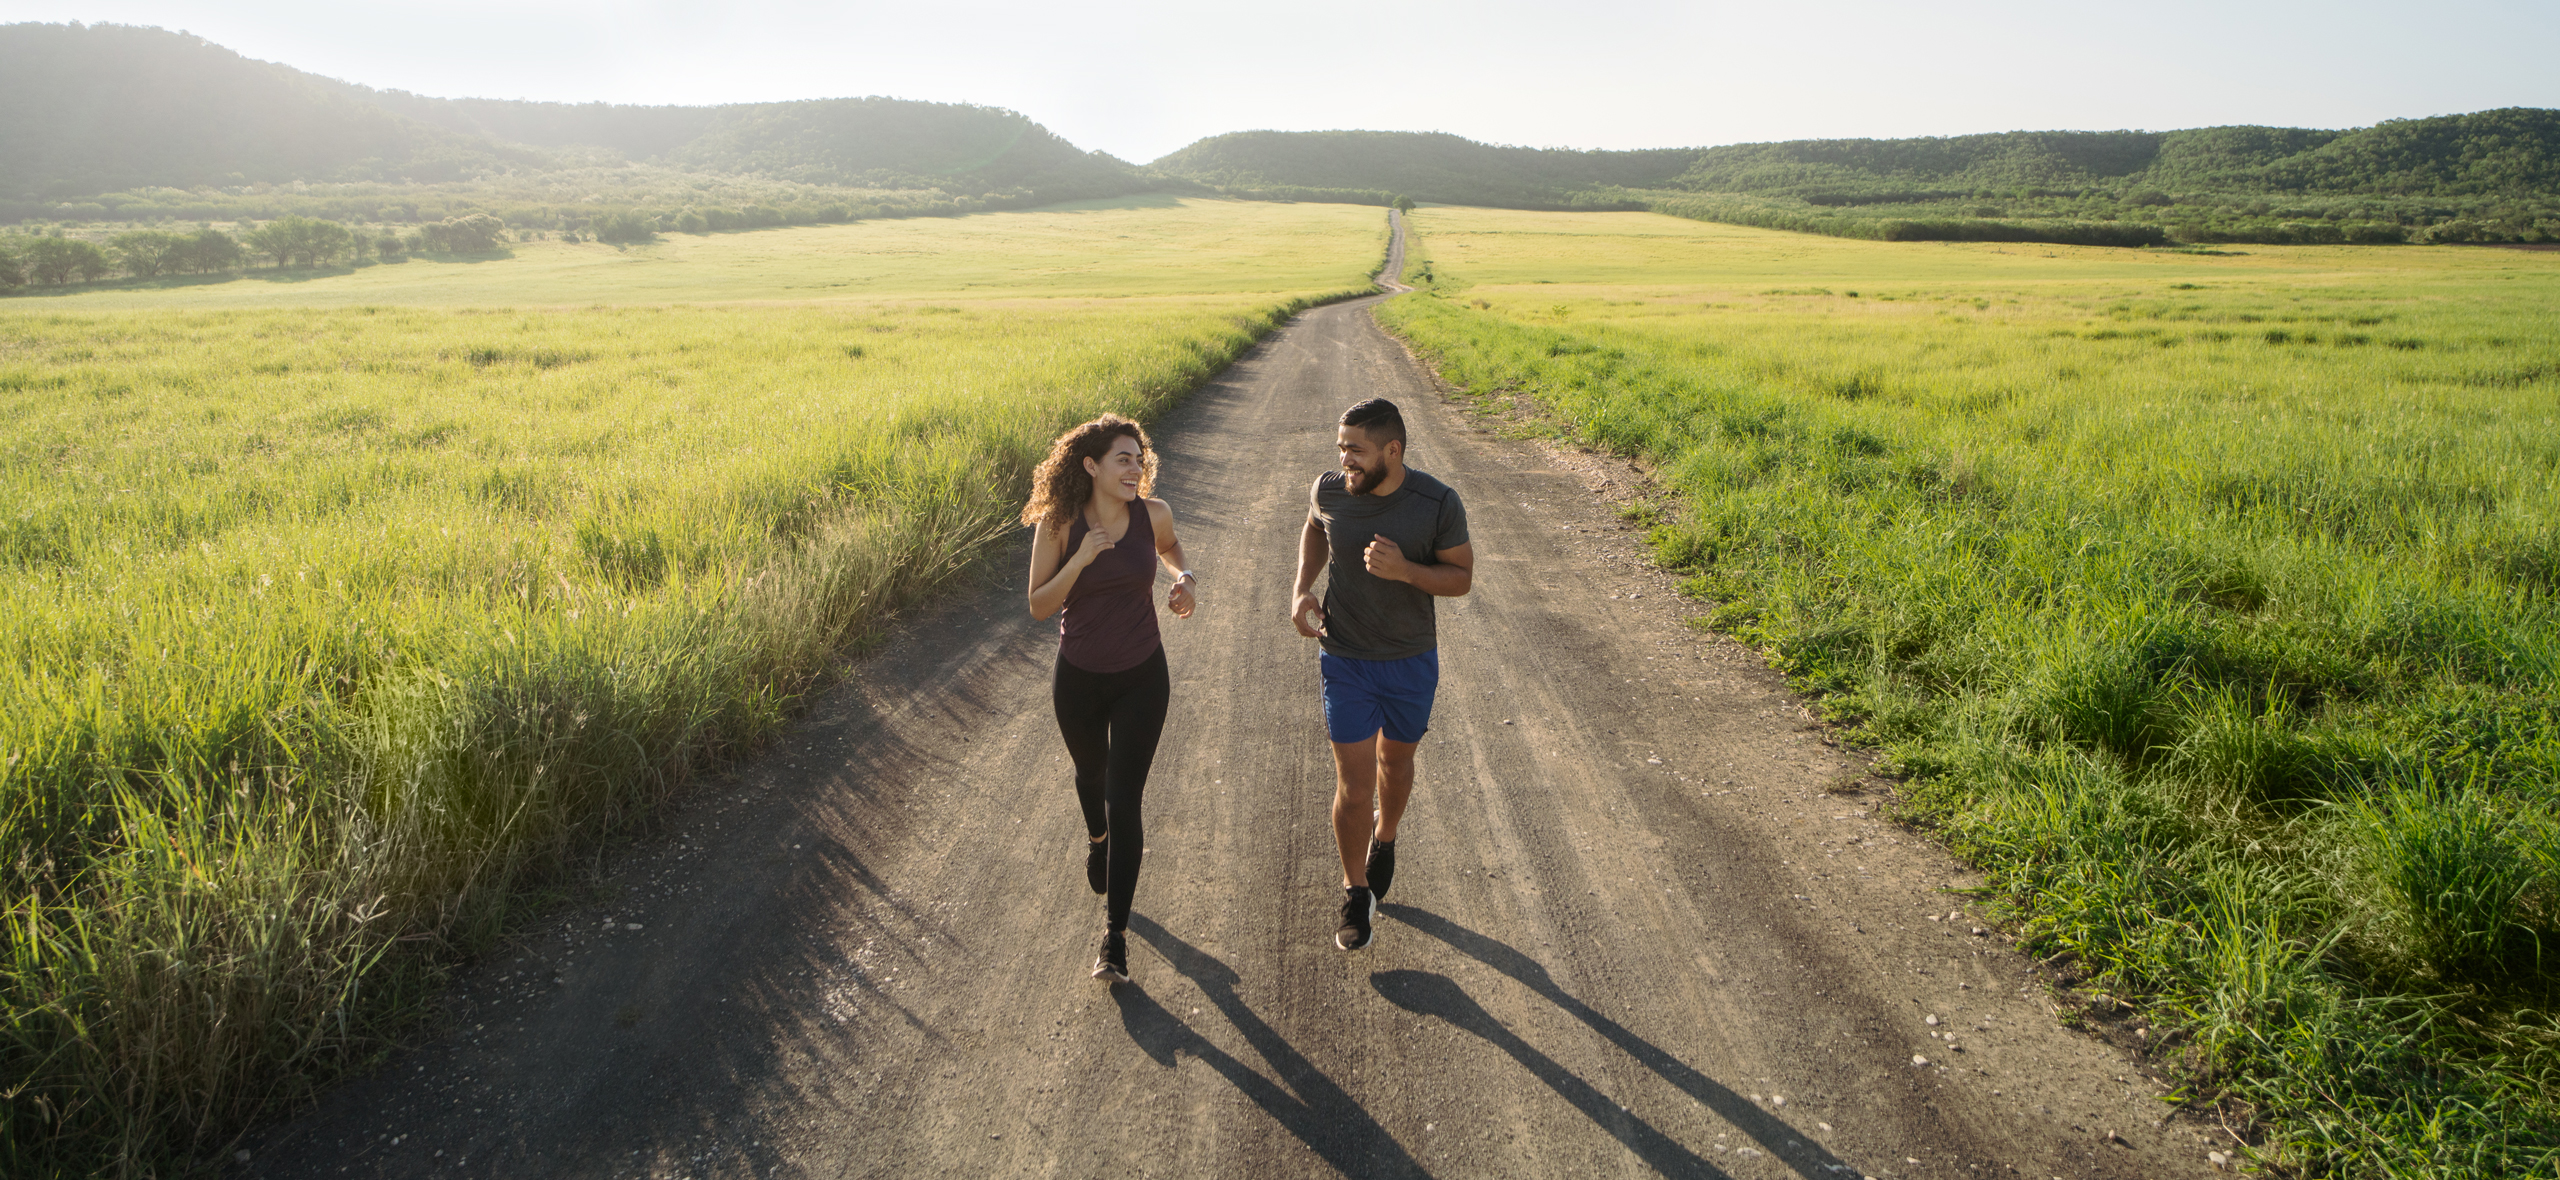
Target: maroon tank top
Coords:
[(1109, 622)]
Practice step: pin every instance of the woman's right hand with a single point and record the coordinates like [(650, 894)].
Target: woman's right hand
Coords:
[(1096, 543)]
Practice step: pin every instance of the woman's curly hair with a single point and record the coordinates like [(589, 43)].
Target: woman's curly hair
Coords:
[(1061, 485)]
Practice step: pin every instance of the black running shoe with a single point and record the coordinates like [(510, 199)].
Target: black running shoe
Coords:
[(1097, 865), (1359, 914), (1382, 866), (1112, 965)]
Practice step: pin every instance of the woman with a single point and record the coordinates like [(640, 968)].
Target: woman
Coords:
[(1093, 557)]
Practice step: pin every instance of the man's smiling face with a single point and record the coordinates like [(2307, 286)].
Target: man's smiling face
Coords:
[(1365, 463)]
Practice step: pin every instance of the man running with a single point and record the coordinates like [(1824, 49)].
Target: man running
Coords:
[(1390, 539)]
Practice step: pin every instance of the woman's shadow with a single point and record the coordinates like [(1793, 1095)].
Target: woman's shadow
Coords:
[(1304, 1100)]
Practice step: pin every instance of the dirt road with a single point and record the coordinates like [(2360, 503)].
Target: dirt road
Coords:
[(1631, 932)]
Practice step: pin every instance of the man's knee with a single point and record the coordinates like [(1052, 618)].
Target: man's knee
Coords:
[(1395, 756)]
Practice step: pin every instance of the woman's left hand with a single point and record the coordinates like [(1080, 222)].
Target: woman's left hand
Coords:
[(1180, 600)]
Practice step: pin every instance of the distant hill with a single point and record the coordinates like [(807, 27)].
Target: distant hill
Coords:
[(1426, 166), (92, 109), (635, 132), (2510, 152), (86, 110), (897, 144), (2491, 176)]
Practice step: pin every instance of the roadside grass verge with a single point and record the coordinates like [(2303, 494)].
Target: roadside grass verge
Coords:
[(2210, 609), (330, 630)]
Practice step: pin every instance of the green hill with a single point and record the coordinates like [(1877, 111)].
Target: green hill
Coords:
[(91, 109), (2490, 176), (634, 132), (87, 110), (1426, 166), (889, 143), (2512, 152)]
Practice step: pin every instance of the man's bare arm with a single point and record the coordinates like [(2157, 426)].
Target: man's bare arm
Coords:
[(1449, 574), (1312, 551)]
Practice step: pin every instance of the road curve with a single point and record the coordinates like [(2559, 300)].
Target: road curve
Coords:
[(1631, 932)]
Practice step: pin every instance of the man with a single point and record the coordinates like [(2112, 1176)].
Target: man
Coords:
[(1389, 539)]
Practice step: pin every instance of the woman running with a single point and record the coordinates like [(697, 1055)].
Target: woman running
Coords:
[(1093, 556)]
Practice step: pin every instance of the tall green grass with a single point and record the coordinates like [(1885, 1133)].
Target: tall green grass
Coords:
[(328, 629), (2210, 608)]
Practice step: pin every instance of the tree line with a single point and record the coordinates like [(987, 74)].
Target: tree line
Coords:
[(52, 260)]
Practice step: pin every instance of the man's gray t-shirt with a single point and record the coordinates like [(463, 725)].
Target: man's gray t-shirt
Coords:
[(1367, 617)]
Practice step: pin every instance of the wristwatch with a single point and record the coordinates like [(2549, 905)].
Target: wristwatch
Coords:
[(1186, 574)]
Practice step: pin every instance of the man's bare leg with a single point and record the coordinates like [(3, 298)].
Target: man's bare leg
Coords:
[(1355, 802), (1395, 784), (1372, 782)]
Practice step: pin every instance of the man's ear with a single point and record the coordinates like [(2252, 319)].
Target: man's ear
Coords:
[(1394, 449)]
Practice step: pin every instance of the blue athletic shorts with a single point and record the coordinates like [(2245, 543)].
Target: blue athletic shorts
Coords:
[(1365, 697)]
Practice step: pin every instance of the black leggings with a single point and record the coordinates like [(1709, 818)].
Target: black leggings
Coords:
[(1111, 722)]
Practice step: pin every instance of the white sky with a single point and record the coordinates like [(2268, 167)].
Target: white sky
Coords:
[(1140, 78)]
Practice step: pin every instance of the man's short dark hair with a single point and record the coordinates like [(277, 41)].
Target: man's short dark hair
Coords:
[(1379, 417)]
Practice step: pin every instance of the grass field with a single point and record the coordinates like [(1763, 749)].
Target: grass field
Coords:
[(331, 625), (1135, 246), (2207, 599)]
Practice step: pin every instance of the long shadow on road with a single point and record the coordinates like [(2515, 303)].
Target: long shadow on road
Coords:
[(1427, 994), (1445, 999), (1319, 1112)]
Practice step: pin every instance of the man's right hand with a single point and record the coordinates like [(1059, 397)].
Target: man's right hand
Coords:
[(1301, 610)]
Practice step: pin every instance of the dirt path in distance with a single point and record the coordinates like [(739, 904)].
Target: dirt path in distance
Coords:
[(1631, 933)]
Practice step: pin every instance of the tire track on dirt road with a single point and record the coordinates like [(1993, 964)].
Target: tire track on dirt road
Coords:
[(1632, 932)]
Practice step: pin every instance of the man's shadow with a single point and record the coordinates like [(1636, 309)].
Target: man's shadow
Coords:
[(1437, 995), (1428, 994), (1305, 1101)]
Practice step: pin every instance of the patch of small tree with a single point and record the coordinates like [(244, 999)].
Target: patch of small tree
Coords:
[(53, 261), (625, 226), (472, 233), (148, 253), (305, 241)]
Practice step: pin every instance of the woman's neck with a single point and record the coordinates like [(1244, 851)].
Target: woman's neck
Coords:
[(1109, 512)]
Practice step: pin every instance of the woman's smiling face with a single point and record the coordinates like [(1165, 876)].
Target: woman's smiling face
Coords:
[(1120, 470)]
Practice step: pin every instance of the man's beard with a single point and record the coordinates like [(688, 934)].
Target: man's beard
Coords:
[(1359, 482)]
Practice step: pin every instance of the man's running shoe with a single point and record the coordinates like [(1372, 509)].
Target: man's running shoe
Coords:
[(1097, 865), (1382, 866), (1112, 965), (1359, 915)]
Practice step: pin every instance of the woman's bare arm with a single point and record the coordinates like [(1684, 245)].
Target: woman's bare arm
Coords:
[(1052, 576), (1180, 599)]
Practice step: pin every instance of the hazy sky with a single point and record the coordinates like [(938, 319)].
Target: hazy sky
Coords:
[(1140, 78)]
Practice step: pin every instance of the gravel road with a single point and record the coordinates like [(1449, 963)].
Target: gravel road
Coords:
[(1632, 931)]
